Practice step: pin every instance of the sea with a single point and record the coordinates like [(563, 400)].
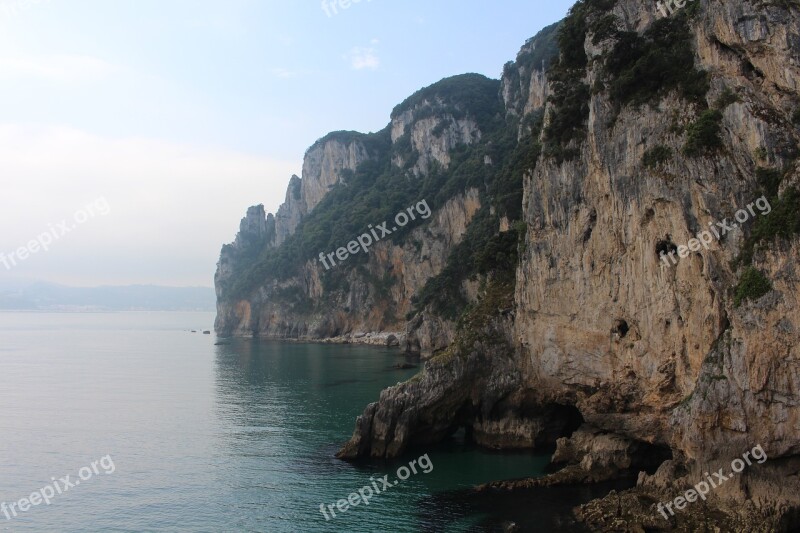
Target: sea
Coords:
[(162, 428)]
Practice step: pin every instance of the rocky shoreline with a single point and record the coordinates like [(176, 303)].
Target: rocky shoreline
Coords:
[(376, 338), (373, 338)]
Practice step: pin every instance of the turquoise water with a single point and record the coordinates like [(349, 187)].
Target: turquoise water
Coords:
[(233, 437)]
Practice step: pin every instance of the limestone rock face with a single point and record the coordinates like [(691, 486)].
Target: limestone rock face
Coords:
[(323, 167), (257, 230), (602, 325), (324, 164), (291, 213), (428, 333), (446, 395), (432, 138), (371, 296), (647, 353), (360, 309), (524, 84)]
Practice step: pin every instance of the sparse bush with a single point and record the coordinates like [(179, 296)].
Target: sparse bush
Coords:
[(782, 222), (704, 133), (752, 286), (643, 68), (769, 179), (571, 100), (604, 27), (726, 98), (570, 96), (657, 155)]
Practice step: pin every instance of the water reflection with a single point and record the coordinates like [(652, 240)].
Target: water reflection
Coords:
[(283, 409)]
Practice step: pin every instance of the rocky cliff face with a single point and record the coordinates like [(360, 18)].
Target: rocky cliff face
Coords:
[(323, 167), (362, 308), (291, 212), (598, 316), (365, 300), (256, 231), (432, 138), (325, 164), (695, 357)]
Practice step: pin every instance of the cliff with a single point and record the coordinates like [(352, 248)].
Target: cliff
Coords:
[(441, 147), (656, 129), (608, 268)]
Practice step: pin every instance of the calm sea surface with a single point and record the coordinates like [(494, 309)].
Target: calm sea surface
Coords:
[(239, 436)]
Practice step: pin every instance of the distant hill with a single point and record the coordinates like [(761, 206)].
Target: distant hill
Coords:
[(51, 297)]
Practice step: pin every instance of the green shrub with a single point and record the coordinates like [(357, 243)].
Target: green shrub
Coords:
[(570, 96), (568, 122), (643, 68), (783, 222), (769, 179), (726, 98), (704, 133), (604, 27), (657, 155), (472, 94), (572, 37), (484, 251), (752, 286)]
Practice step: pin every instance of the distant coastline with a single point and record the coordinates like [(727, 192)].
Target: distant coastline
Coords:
[(46, 297)]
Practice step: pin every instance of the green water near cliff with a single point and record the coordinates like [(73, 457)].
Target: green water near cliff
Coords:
[(233, 437)]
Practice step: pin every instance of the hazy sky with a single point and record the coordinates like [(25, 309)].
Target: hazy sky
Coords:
[(170, 117)]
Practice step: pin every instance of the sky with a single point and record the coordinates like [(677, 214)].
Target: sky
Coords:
[(135, 133)]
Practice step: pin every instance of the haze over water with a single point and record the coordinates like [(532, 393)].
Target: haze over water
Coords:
[(235, 437)]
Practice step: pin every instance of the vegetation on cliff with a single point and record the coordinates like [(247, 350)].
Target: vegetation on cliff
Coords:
[(782, 223), (378, 188), (485, 251), (641, 69), (752, 286)]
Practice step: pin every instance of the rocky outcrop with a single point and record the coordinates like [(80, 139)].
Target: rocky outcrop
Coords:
[(431, 138), (648, 354), (428, 333), (277, 311), (654, 130), (325, 164), (524, 84), (761, 499), (373, 296), (602, 324), (256, 231), (291, 212), (463, 383)]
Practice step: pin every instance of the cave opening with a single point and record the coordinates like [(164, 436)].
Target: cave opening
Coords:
[(649, 457), (621, 328), (665, 247)]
